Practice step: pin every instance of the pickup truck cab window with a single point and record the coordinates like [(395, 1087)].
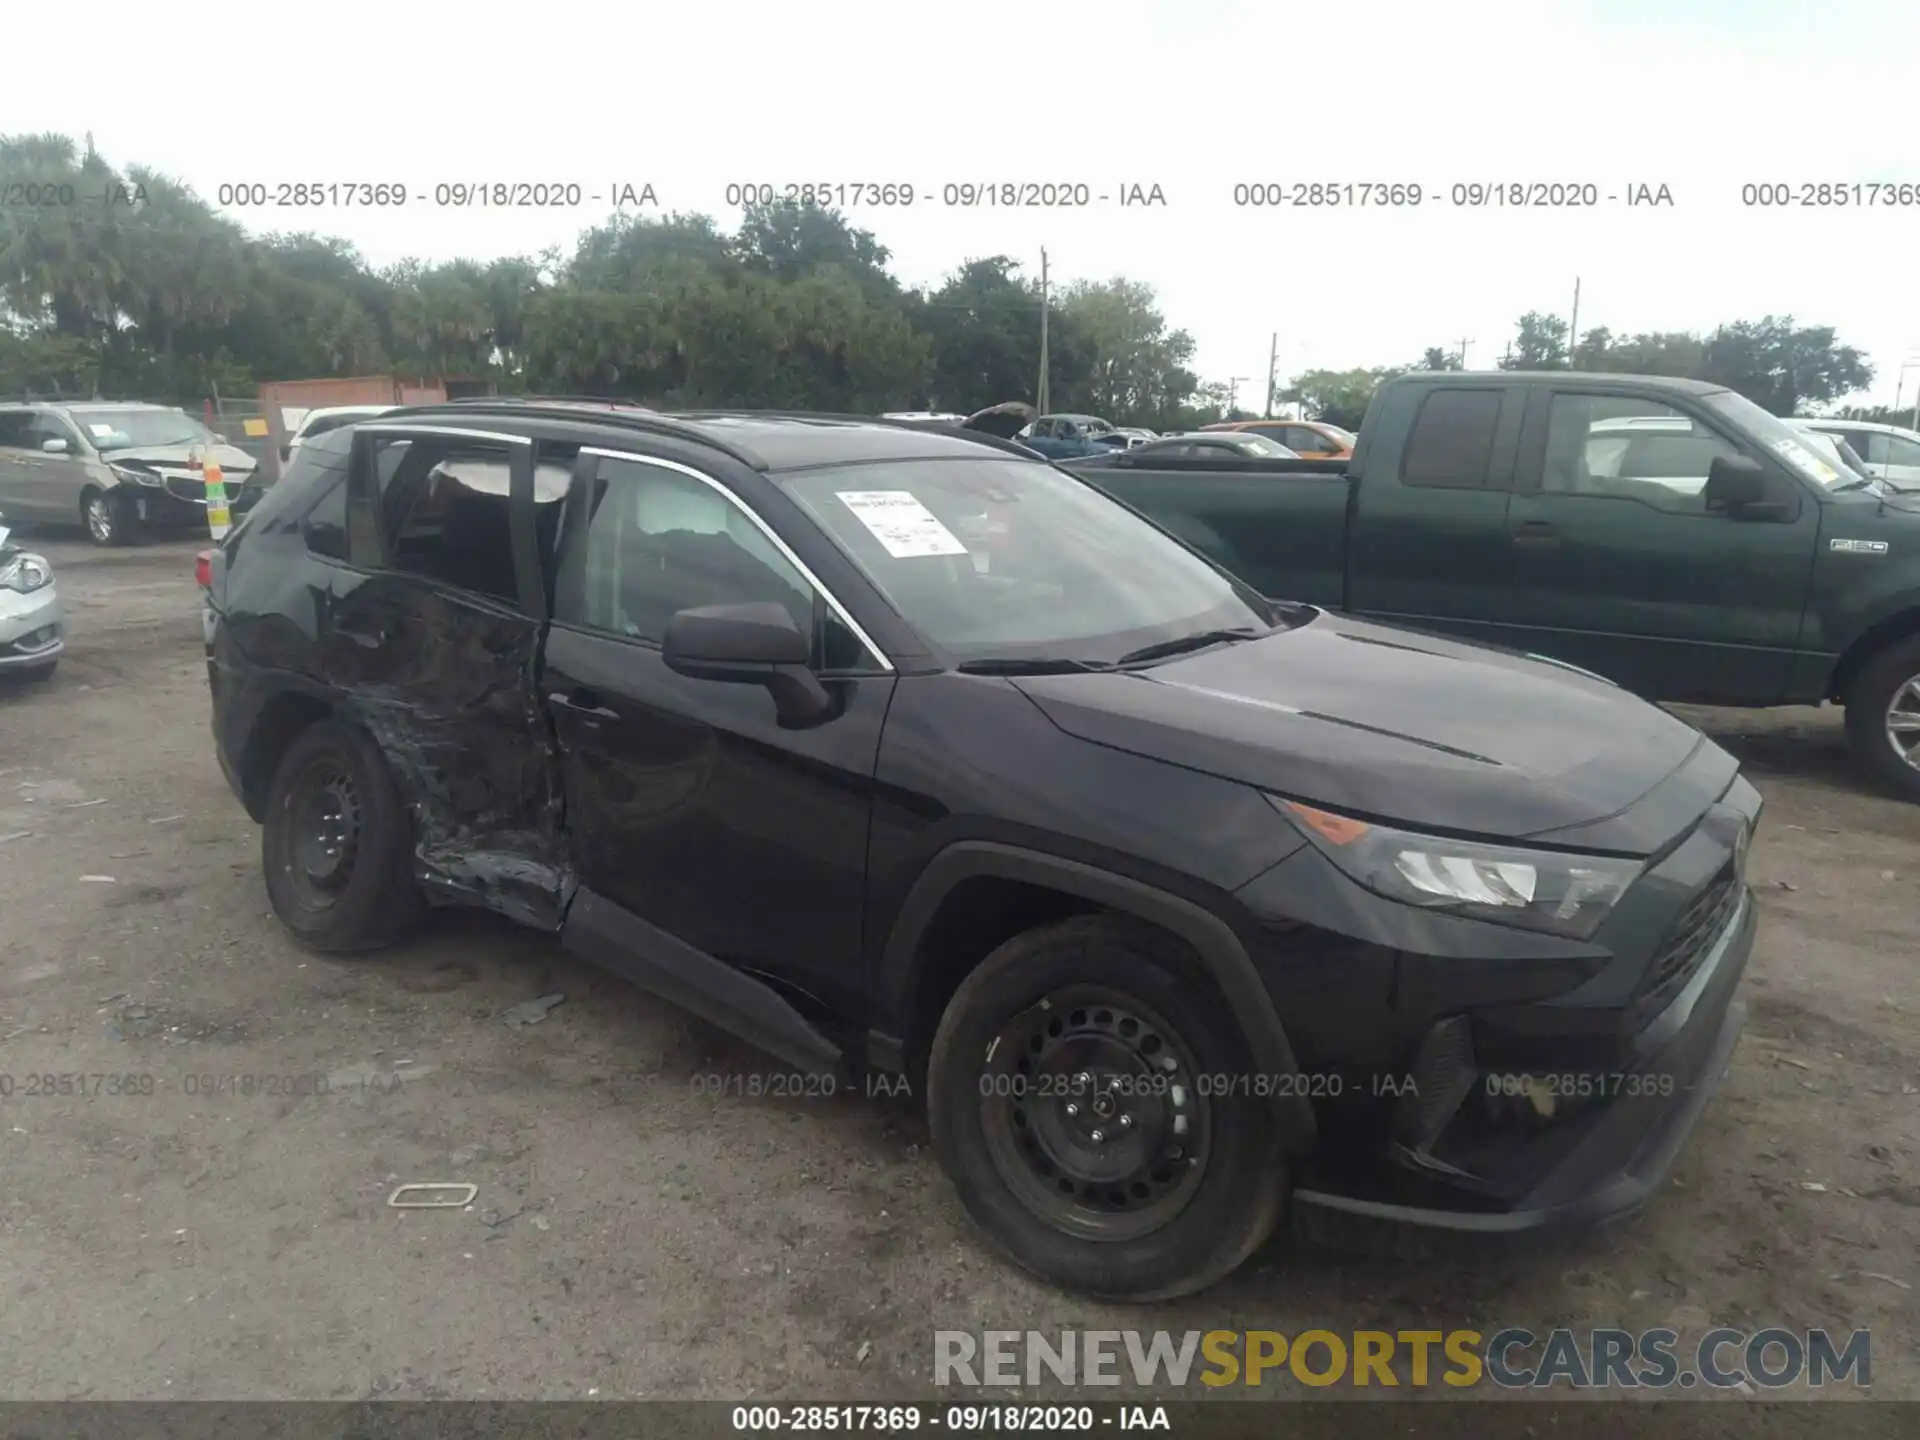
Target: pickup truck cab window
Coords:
[(1602, 446), (1451, 446)]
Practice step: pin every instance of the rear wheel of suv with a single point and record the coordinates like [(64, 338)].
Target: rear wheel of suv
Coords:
[(337, 843), (109, 519), (1883, 717), (1069, 1102)]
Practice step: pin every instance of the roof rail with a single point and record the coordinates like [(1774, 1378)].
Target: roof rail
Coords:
[(545, 407), (979, 437)]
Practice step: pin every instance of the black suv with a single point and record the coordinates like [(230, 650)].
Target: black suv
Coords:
[(903, 752)]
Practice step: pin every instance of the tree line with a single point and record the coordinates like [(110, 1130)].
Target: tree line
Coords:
[(1783, 366), (153, 294), (137, 288)]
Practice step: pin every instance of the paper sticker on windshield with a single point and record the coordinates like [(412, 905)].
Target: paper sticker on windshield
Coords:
[(1808, 462), (103, 431), (901, 523)]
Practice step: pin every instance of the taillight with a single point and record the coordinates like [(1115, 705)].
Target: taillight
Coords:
[(203, 569)]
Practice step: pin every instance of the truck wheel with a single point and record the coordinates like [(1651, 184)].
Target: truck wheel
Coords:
[(1068, 1104), (109, 519), (337, 843), (1883, 717)]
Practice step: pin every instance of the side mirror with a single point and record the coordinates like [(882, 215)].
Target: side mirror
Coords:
[(55, 446), (1741, 486), (753, 644)]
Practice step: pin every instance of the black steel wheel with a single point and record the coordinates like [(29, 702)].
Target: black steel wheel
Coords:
[(336, 844), (1070, 1104), (1091, 1106), (325, 831)]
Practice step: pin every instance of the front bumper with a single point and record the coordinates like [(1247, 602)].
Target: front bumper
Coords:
[(1629, 1144), (1486, 1078), (182, 503), (31, 629)]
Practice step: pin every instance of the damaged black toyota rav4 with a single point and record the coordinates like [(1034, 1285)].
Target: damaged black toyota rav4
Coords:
[(903, 752)]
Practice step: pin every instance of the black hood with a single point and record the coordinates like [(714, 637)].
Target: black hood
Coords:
[(1005, 420), (1392, 725)]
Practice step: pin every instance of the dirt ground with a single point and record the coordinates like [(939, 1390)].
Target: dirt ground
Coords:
[(191, 1236)]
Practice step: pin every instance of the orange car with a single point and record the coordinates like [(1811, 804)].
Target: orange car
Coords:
[(1315, 439)]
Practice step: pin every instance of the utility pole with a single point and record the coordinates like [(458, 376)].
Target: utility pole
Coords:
[(1463, 352), (1233, 393), (1573, 325), (1912, 362), (1041, 403), (1273, 360)]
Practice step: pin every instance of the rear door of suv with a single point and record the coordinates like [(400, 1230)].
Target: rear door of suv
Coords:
[(429, 631)]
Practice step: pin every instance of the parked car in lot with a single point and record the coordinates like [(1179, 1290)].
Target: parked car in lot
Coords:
[(903, 752), (1891, 452), (1206, 445), (327, 417), (1313, 439), (31, 627), (116, 468), (1667, 534), (1061, 437)]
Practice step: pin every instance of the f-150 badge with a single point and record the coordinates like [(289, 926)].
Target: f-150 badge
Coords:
[(1859, 547)]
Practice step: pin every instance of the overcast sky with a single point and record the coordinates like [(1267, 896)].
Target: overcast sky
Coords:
[(1701, 96)]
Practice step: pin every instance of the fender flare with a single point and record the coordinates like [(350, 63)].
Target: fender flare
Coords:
[(1213, 940)]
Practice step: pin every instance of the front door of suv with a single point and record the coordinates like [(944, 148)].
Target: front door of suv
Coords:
[(688, 805)]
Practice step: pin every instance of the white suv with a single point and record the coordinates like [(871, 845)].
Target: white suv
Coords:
[(1890, 451)]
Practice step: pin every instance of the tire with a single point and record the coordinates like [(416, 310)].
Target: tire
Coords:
[(352, 890), (108, 519), (1882, 681), (1079, 1003)]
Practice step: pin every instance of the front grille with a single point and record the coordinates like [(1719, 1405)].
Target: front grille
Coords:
[(183, 487), (1699, 927)]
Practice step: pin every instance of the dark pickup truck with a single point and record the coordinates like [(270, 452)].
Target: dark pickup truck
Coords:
[(1668, 535)]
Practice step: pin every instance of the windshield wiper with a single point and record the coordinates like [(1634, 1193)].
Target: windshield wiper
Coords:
[(1032, 665), (1199, 640)]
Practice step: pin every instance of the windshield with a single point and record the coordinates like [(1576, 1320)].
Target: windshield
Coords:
[(1780, 437), (1010, 559), (1835, 451), (125, 429)]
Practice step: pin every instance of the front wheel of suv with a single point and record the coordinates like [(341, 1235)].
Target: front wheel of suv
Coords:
[(1076, 1101), (336, 847)]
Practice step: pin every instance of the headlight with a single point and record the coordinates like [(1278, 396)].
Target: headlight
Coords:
[(1549, 890), (25, 573), (127, 475)]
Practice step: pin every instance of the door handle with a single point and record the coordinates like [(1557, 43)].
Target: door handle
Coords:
[(1535, 534), (582, 701)]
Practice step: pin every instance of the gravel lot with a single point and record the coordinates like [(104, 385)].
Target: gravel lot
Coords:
[(633, 1237)]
